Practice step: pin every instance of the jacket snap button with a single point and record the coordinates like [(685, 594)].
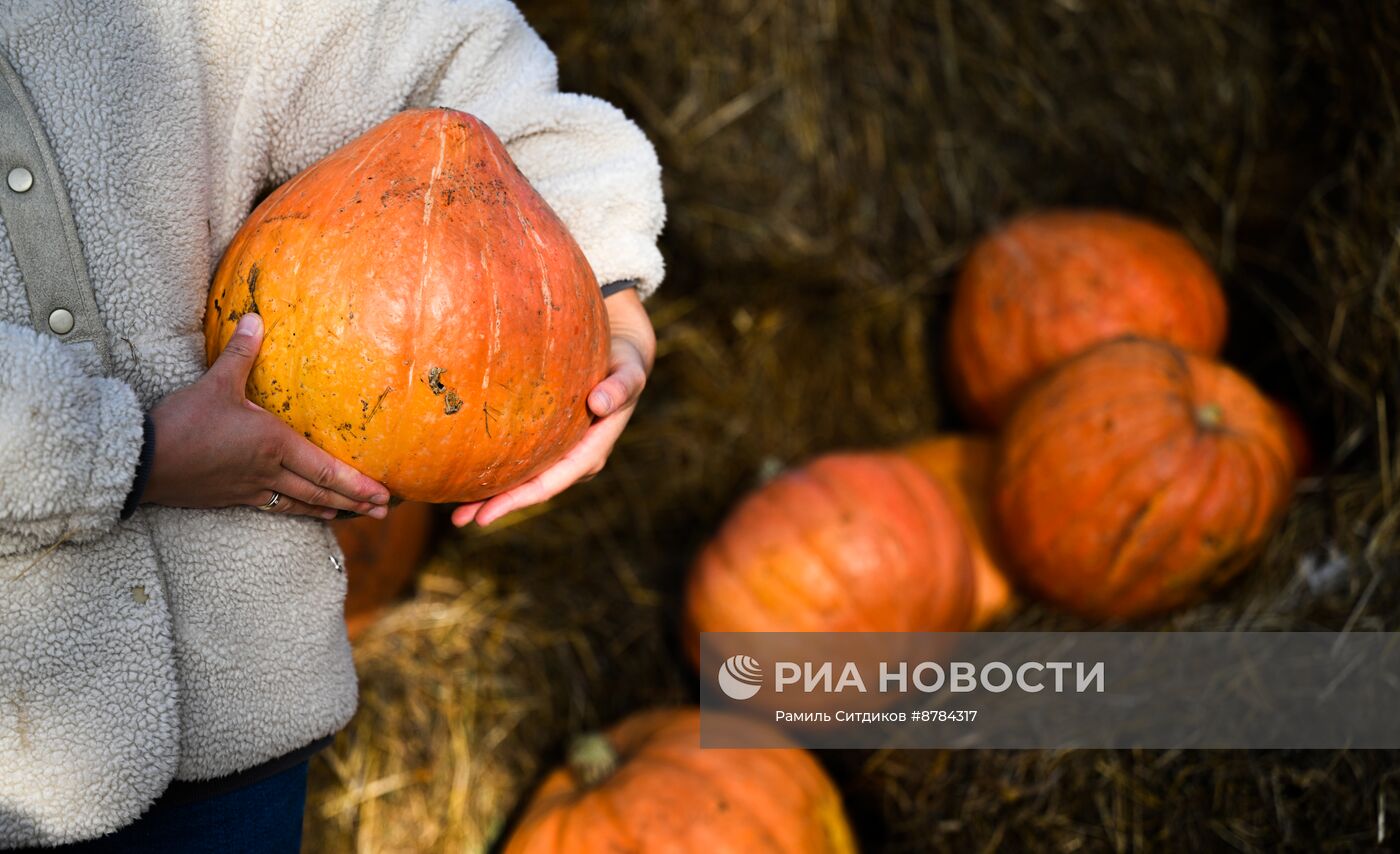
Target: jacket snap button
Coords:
[(20, 179), (61, 321)]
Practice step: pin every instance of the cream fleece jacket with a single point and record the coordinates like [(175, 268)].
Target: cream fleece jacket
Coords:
[(193, 644)]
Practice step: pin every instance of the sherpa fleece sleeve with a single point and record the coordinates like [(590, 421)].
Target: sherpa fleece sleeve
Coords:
[(332, 68), (69, 440)]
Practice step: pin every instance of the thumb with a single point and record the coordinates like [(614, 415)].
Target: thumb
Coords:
[(236, 360)]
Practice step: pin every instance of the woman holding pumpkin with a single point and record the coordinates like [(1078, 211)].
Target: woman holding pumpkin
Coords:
[(171, 644)]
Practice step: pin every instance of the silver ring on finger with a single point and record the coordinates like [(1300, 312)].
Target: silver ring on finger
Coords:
[(271, 502)]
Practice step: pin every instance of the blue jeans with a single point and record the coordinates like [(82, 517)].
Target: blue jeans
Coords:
[(263, 817)]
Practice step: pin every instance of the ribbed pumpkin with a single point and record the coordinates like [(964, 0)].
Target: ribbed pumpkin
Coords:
[(429, 319), (1136, 476), (963, 466), (847, 543), (381, 557), (1049, 285), (647, 786)]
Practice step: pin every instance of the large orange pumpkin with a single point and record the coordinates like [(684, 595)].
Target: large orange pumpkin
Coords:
[(963, 467), (1136, 476), (429, 319), (647, 786), (1049, 285), (381, 556), (847, 543)]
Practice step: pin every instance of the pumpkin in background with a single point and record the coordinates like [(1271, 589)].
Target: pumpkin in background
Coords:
[(963, 467), (1049, 285), (647, 786), (381, 557), (429, 319), (1136, 476), (1299, 442), (847, 543)]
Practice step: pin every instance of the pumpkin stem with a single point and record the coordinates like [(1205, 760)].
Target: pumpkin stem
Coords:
[(1209, 416), (592, 759)]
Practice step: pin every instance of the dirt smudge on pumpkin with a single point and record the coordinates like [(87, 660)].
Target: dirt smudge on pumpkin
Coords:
[(453, 401), (435, 380), (252, 305), (403, 190)]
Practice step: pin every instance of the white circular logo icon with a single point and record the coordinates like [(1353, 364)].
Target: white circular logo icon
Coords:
[(740, 677)]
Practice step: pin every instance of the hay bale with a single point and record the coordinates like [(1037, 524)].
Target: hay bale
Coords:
[(827, 164)]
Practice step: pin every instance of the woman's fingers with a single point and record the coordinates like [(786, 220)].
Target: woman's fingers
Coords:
[(324, 471), (290, 506), (623, 385), (582, 463), (585, 459), (235, 361), (618, 391), (466, 513), (612, 401), (295, 486)]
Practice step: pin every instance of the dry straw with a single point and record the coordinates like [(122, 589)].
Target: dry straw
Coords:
[(827, 165)]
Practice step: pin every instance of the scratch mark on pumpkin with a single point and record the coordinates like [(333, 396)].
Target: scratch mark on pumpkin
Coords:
[(493, 344), (549, 307), (495, 296), (494, 341), (536, 245), (427, 239), (377, 404), (437, 172), (491, 149), (354, 170)]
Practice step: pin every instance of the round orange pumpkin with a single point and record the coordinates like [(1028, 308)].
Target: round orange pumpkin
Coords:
[(381, 556), (1136, 476), (647, 786), (847, 543), (963, 465), (429, 319), (1299, 442), (1049, 285)]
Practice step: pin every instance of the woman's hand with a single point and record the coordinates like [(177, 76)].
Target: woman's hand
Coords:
[(216, 448), (612, 401)]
